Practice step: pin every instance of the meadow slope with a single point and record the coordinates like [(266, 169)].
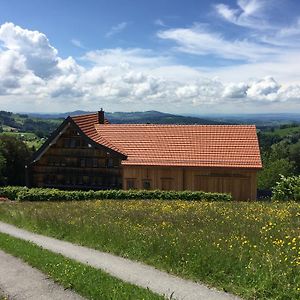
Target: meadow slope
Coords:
[(250, 249)]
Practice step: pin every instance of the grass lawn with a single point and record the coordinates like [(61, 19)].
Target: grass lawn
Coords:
[(86, 281), (284, 132), (251, 249), (3, 297)]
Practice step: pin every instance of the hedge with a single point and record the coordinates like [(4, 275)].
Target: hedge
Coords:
[(40, 194)]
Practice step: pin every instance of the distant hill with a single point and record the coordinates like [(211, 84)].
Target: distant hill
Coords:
[(11, 122), (43, 124), (152, 117), (156, 117), (260, 120)]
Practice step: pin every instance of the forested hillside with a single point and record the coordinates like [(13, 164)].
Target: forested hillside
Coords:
[(10, 122), (280, 150)]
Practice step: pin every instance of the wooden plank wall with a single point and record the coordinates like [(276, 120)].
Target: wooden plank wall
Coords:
[(240, 183), (72, 163)]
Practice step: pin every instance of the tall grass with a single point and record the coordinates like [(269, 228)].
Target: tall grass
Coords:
[(251, 249)]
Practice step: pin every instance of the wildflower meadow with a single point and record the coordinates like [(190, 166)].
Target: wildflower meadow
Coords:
[(248, 248)]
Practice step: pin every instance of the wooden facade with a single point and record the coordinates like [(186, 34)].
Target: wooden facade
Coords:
[(73, 162), (239, 182)]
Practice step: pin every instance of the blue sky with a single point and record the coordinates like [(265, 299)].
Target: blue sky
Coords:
[(176, 56)]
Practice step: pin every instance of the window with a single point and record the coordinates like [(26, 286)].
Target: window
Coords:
[(51, 161), (82, 162), (101, 162), (146, 184), (116, 162), (72, 143), (110, 163), (95, 163), (130, 184), (67, 143), (74, 132), (84, 144), (78, 143), (89, 162)]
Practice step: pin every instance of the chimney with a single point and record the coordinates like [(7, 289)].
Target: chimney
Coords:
[(101, 116)]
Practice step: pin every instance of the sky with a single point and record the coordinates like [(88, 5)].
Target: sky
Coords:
[(189, 57)]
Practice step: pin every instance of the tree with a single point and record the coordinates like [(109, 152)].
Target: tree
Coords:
[(295, 155), (2, 169), (16, 155), (268, 177), (280, 150)]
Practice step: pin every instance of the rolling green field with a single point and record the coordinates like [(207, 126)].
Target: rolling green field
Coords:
[(250, 249), (284, 132), (29, 138)]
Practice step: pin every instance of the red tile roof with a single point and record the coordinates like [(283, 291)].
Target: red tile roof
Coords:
[(87, 124), (233, 146)]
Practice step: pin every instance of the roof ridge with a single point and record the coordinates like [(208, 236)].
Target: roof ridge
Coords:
[(177, 125)]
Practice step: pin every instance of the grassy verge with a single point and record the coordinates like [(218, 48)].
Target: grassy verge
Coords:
[(251, 249), (3, 297), (86, 281)]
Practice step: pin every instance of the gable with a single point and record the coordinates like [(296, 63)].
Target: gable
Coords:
[(70, 142)]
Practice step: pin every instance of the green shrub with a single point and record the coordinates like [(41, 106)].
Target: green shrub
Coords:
[(40, 194), (11, 192), (287, 188)]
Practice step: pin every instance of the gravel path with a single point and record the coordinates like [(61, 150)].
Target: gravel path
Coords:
[(130, 271), (22, 282)]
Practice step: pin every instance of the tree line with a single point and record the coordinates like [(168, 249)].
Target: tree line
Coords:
[(14, 155)]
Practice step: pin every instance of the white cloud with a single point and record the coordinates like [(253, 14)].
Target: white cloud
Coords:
[(39, 56), (117, 79), (123, 57), (160, 22), (116, 29), (235, 90), (290, 31), (77, 43), (200, 41), (266, 88), (249, 13)]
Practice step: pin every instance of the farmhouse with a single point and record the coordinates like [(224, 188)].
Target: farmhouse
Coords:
[(86, 152)]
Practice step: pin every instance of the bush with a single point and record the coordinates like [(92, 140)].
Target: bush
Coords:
[(39, 194), (11, 192), (287, 188)]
